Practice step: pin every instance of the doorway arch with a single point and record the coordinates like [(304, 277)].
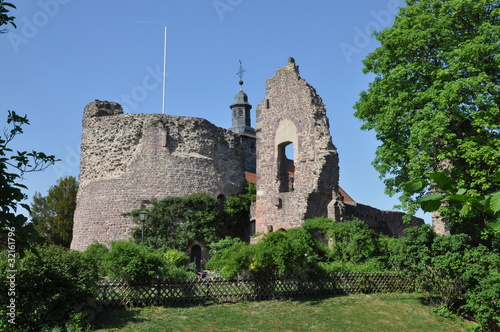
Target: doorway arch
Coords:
[(195, 257)]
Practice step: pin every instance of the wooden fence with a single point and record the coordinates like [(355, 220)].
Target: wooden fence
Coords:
[(199, 290)]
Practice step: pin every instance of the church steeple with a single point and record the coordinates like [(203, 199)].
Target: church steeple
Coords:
[(241, 110)]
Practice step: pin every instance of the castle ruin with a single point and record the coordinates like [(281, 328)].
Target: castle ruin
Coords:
[(129, 158)]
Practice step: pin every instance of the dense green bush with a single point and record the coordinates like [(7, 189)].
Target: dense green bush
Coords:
[(138, 264), (284, 252), (350, 246), (483, 290), (95, 253), (176, 257), (461, 277), (231, 258), (49, 285), (351, 241)]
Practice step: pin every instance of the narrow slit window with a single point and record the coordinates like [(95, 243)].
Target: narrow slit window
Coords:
[(286, 167)]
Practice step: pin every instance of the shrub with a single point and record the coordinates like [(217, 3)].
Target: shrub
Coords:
[(351, 241), (370, 265), (233, 260), (483, 294), (176, 257), (138, 264), (133, 263), (218, 247), (95, 253), (463, 278), (50, 284)]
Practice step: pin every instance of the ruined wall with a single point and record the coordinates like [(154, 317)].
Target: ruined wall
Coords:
[(385, 222), (293, 113), (127, 158)]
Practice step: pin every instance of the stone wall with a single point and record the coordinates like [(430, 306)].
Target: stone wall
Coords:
[(385, 222), (128, 158), (293, 113)]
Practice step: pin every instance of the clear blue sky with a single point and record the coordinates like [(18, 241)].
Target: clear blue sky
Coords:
[(66, 53)]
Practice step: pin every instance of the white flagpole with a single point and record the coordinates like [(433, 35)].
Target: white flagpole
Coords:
[(164, 70)]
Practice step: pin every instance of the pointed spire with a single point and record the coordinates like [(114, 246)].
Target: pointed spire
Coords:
[(240, 74)]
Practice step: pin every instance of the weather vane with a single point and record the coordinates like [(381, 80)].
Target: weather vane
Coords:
[(240, 74)]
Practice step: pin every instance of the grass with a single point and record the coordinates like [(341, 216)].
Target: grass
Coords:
[(375, 312)]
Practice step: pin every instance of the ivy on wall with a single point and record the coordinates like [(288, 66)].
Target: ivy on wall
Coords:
[(175, 222)]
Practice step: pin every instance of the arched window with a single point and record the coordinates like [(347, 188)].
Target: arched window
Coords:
[(287, 149)]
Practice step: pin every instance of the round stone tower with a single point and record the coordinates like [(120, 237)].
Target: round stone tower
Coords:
[(129, 158)]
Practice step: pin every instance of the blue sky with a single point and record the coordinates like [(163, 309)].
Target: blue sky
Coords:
[(67, 53)]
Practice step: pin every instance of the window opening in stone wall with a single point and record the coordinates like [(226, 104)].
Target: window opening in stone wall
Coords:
[(286, 167)]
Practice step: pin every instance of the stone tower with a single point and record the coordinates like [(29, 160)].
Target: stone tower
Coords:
[(292, 126), (129, 158)]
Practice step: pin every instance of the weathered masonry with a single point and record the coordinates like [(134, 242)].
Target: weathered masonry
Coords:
[(292, 127), (129, 158)]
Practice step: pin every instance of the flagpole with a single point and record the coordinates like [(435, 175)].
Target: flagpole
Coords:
[(164, 69)]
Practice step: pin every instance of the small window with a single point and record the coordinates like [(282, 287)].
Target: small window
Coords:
[(252, 147)]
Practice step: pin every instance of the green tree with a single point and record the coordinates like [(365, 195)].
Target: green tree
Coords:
[(12, 167), (434, 102), (52, 215)]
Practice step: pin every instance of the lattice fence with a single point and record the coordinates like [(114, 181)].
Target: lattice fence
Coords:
[(198, 290)]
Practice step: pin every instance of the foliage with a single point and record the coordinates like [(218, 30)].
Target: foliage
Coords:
[(233, 260), (134, 263), (176, 257), (483, 302), (49, 286), (13, 165), (281, 253), (5, 17), (351, 241), (434, 102), (137, 264), (483, 209), (461, 277), (175, 222), (52, 215), (240, 204), (321, 244), (218, 247), (95, 253), (369, 266), (275, 255)]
